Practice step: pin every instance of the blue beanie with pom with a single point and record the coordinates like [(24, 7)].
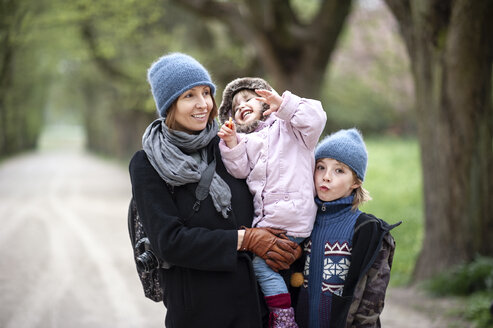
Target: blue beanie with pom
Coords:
[(173, 74), (346, 146)]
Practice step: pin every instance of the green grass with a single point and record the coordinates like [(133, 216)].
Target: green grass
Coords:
[(394, 181)]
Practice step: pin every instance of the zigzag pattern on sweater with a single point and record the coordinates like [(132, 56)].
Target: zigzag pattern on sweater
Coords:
[(337, 249)]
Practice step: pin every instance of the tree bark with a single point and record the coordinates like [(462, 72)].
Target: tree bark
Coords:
[(5, 84), (294, 55), (450, 44)]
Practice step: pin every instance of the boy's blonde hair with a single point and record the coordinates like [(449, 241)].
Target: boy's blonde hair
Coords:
[(360, 194)]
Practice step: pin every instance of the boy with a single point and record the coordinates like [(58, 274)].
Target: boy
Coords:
[(349, 253)]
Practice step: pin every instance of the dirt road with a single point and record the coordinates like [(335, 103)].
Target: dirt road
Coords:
[(65, 258)]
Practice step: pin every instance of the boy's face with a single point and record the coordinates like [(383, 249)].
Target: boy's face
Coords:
[(246, 108), (333, 179)]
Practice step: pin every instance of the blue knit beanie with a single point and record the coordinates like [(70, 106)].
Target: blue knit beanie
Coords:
[(173, 74), (346, 146)]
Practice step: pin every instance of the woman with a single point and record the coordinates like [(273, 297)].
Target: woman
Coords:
[(210, 282)]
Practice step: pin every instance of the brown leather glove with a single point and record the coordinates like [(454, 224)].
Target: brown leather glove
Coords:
[(278, 261), (271, 245)]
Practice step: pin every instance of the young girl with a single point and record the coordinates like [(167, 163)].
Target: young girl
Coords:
[(349, 253), (275, 154)]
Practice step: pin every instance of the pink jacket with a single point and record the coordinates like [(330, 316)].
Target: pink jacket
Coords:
[(278, 162)]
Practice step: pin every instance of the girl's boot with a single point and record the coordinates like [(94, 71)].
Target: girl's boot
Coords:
[(282, 318)]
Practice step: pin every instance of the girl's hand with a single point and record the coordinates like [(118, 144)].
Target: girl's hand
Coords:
[(271, 98), (228, 133)]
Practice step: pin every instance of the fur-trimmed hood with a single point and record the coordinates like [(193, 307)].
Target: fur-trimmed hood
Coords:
[(250, 83)]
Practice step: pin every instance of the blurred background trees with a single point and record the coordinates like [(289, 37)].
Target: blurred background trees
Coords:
[(293, 40), (87, 62), (451, 49), (374, 65), (23, 79)]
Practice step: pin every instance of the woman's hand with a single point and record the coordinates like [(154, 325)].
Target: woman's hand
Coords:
[(228, 133), (272, 245)]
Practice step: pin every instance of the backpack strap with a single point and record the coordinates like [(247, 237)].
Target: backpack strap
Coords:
[(370, 218), (202, 189)]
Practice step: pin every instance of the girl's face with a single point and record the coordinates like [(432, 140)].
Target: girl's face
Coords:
[(333, 179), (192, 109), (246, 108)]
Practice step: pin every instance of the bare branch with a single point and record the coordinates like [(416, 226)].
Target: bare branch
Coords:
[(105, 65), (291, 52)]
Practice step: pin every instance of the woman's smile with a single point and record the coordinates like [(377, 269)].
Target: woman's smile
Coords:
[(200, 116)]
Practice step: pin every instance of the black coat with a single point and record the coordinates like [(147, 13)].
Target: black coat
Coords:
[(210, 284)]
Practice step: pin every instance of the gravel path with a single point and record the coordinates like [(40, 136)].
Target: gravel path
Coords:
[(410, 308), (65, 256)]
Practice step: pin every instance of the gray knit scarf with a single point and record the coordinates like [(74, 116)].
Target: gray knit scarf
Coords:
[(174, 154)]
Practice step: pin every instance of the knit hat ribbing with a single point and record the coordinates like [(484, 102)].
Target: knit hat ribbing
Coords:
[(233, 87), (173, 74), (346, 146)]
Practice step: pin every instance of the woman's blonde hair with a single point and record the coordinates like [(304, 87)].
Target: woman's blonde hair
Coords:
[(360, 194), (170, 120)]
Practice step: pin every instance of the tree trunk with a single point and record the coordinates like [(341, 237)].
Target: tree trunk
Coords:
[(12, 16), (450, 44), (5, 85), (295, 55)]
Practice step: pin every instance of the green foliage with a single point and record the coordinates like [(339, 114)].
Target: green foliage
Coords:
[(306, 9), (394, 181), (23, 79), (478, 309), (473, 280), (87, 60), (369, 84), (464, 279), (348, 102), (105, 50)]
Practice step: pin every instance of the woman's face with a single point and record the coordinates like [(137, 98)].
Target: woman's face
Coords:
[(192, 109)]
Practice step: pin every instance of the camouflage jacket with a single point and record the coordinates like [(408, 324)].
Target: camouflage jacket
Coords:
[(362, 300), (369, 293)]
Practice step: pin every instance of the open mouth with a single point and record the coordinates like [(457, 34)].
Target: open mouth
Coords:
[(245, 113)]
